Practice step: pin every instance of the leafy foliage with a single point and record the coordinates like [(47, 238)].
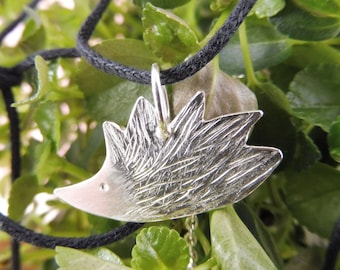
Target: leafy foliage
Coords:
[(321, 197), (233, 245), (267, 48), (286, 52), (68, 258), (168, 36), (314, 95), (159, 248), (334, 139)]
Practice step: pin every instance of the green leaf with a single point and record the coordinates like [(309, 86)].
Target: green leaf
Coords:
[(267, 8), (34, 35), (307, 153), (22, 193), (13, 8), (313, 196), (159, 248), (334, 139), (302, 25), (88, 151), (259, 231), (275, 95), (267, 48), (224, 93), (161, 3), (314, 95), (101, 224), (48, 120), (118, 95), (11, 56), (327, 8), (221, 5), (42, 82), (313, 54), (129, 52), (275, 127), (62, 24), (46, 162), (39, 158), (101, 259), (118, 104), (107, 255), (167, 35), (233, 245)]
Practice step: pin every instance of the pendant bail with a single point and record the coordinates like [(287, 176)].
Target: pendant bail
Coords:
[(161, 101)]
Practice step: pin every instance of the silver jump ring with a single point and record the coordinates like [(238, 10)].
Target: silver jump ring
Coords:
[(161, 101)]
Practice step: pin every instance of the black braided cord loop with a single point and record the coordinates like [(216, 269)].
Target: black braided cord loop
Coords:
[(172, 75), (10, 77)]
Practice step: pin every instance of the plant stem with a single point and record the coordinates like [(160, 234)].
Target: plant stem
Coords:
[(207, 265), (286, 218), (332, 41), (251, 78), (216, 26), (203, 241), (74, 170), (188, 13), (275, 196)]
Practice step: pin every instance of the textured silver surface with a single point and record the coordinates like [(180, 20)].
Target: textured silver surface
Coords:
[(200, 166)]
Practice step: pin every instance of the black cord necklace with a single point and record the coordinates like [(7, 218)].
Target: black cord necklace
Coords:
[(13, 77), (172, 75)]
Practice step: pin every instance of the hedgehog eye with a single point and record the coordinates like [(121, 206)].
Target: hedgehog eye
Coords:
[(104, 187)]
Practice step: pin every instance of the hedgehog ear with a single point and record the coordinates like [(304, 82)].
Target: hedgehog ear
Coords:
[(112, 131), (114, 140), (192, 112), (142, 115)]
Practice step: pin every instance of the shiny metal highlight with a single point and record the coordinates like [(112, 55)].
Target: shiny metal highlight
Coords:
[(198, 166)]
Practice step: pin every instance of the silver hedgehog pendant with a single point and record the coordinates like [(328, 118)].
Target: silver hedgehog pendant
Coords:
[(157, 169)]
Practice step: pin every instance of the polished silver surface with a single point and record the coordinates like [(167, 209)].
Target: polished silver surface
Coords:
[(196, 167), (161, 101)]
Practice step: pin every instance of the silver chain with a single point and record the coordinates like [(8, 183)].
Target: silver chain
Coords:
[(191, 223)]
